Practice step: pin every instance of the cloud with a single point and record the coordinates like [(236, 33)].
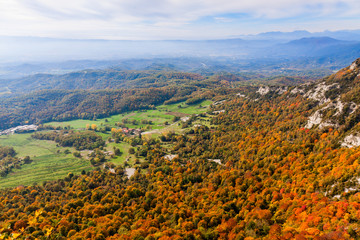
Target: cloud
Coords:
[(88, 17), (174, 10), (223, 19)]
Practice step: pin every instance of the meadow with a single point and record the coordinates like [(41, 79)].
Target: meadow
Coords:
[(160, 115), (49, 162)]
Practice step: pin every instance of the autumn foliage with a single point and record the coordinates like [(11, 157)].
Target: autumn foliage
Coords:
[(276, 180)]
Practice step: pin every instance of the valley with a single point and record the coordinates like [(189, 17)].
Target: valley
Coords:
[(51, 161), (196, 158), (179, 120)]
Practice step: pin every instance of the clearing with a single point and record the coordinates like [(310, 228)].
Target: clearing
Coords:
[(50, 162)]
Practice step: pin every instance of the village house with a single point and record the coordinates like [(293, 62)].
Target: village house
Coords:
[(131, 131)]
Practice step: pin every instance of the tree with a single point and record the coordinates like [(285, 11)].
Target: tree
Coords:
[(77, 154), (117, 151), (27, 160)]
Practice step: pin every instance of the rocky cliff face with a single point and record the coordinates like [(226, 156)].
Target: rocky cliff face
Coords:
[(335, 102)]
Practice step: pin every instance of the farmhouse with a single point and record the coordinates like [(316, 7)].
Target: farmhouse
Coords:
[(131, 131)]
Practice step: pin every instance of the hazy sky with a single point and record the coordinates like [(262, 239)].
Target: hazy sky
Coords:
[(172, 19)]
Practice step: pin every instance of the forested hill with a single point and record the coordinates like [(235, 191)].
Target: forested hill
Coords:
[(96, 94), (101, 79), (275, 177), (117, 79), (62, 105)]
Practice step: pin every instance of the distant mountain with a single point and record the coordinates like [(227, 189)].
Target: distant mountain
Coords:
[(280, 35), (22, 56), (346, 35), (316, 41), (314, 46), (30, 50), (325, 51)]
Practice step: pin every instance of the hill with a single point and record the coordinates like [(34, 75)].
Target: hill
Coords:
[(102, 79), (62, 105), (90, 94), (258, 171), (316, 47)]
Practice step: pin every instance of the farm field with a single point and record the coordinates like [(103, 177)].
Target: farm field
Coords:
[(47, 163)]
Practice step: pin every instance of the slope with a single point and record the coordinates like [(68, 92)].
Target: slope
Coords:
[(258, 174)]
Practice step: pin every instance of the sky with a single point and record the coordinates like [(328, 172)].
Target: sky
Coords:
[(172, 19)]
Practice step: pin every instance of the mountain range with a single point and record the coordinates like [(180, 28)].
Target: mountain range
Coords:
[(20, 56)]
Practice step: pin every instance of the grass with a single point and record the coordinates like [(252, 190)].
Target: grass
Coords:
[(186, 109), (47, 163), (124, 148), (160, 115), (24, 145)]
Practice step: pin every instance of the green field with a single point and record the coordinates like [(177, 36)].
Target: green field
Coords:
[(158, 116), (46, 164), (187, 109), (51, 163), (124, 148)]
